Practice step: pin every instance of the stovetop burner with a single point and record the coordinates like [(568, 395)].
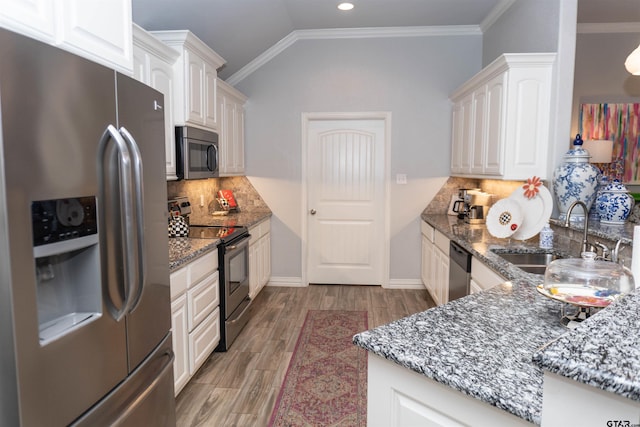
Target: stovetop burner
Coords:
[(225, 233)]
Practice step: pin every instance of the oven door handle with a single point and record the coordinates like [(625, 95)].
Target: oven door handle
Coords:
[(239, 316)]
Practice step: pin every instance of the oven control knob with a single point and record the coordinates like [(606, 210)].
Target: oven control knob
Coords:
[(312, 211)]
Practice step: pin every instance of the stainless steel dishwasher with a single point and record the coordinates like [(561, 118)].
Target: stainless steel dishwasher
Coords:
[(459, 271)]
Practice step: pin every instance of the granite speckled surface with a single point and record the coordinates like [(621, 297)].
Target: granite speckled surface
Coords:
[(603, 351), (183, 250), (494, 345)]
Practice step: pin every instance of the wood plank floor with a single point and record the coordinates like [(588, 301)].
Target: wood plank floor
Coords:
[(240, 387)]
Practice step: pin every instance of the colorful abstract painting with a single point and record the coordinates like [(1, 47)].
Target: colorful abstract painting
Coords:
[(621, 124)]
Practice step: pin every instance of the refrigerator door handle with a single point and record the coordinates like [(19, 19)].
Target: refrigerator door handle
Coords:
[(112, 197), (136, 258)]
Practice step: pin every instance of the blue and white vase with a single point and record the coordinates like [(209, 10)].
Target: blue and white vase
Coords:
[(614, 204), (575, 179)]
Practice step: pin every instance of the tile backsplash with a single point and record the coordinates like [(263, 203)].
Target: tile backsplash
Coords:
[(245, 194)]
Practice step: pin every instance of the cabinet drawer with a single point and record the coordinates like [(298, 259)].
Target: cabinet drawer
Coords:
[(441, 241), (202, 300), (427, 230), (203, 267), (203, 340), (259, 230), (178, 282)]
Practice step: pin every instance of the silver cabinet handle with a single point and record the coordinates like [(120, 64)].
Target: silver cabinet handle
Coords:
[(312, 211)]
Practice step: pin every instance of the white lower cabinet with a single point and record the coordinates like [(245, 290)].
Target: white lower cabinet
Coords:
[(482, 277), (400, 397), (435, 263), (259, 257), (195, 314)]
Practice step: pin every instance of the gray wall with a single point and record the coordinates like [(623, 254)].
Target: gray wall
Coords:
[(527, 26), (410, 77)]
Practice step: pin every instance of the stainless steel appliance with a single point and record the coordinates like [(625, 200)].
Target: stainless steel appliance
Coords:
[(233, 265), (196, 153), (84, 281), (459, 271), (478, 206)]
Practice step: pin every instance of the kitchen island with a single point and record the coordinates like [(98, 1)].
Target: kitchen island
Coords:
[(497, 348)]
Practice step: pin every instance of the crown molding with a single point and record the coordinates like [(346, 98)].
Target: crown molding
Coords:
[(349, 33), (495, 13), (610, 27)]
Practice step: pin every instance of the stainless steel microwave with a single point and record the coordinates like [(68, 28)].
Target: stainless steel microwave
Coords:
[(196, 153)]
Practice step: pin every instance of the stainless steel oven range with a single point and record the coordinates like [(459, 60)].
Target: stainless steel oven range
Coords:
[(233, 261)]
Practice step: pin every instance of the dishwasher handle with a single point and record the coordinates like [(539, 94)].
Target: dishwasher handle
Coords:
[(460, 256)]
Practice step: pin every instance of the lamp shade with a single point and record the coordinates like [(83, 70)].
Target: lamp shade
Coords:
[(601, 150), (632, 64)]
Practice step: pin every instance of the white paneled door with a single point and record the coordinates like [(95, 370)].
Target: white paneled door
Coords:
[(345, 194)]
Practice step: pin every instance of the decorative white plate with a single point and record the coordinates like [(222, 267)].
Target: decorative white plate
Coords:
[(504, 218), (536, 211)]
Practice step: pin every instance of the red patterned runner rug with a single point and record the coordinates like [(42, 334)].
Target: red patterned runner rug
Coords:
[(326, 382)]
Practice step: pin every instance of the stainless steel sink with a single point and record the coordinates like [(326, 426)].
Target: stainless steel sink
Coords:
[(529, 259), (535, 262)]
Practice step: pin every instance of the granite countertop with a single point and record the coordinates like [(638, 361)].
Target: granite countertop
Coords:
[(245, 219), (183, 250), (494, 345)]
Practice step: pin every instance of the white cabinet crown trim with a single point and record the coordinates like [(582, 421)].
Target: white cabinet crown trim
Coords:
[(179, 39)]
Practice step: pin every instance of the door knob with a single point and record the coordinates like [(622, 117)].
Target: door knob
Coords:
[(312, 211)]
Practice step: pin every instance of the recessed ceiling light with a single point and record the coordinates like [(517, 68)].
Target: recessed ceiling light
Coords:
[(345, 6)]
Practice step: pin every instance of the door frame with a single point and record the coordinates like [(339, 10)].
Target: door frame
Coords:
[(385, 116)]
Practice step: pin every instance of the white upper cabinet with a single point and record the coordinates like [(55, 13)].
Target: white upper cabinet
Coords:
[(500, 122), (98, 30), (231, 129), (195, 83), (153, 65)]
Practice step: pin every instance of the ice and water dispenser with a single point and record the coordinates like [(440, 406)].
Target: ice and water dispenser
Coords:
[(67, 265)]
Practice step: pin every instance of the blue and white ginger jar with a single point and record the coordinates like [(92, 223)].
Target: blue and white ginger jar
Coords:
[(614, 203), (575, 179)]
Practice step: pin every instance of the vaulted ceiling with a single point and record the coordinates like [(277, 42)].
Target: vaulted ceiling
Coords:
[(240, 30)]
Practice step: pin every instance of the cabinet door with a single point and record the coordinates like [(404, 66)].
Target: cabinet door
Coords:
[(202, 299), (477, 135), (467, 129), (203, 340), (161, 79), (426, 259), (456, 137), (267, 259), (194, 89), (254, 280), (98, 30), (442, 276), (210, 97), (494, 129), (180, 337), (34, 18)]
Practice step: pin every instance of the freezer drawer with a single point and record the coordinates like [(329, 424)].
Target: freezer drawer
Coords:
[(145, 398)]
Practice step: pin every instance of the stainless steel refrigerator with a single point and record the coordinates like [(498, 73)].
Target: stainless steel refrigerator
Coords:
[(84, 281)]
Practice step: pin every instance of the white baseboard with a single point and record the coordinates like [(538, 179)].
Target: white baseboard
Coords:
[(287, 282), (296, 282), (405, 284)]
